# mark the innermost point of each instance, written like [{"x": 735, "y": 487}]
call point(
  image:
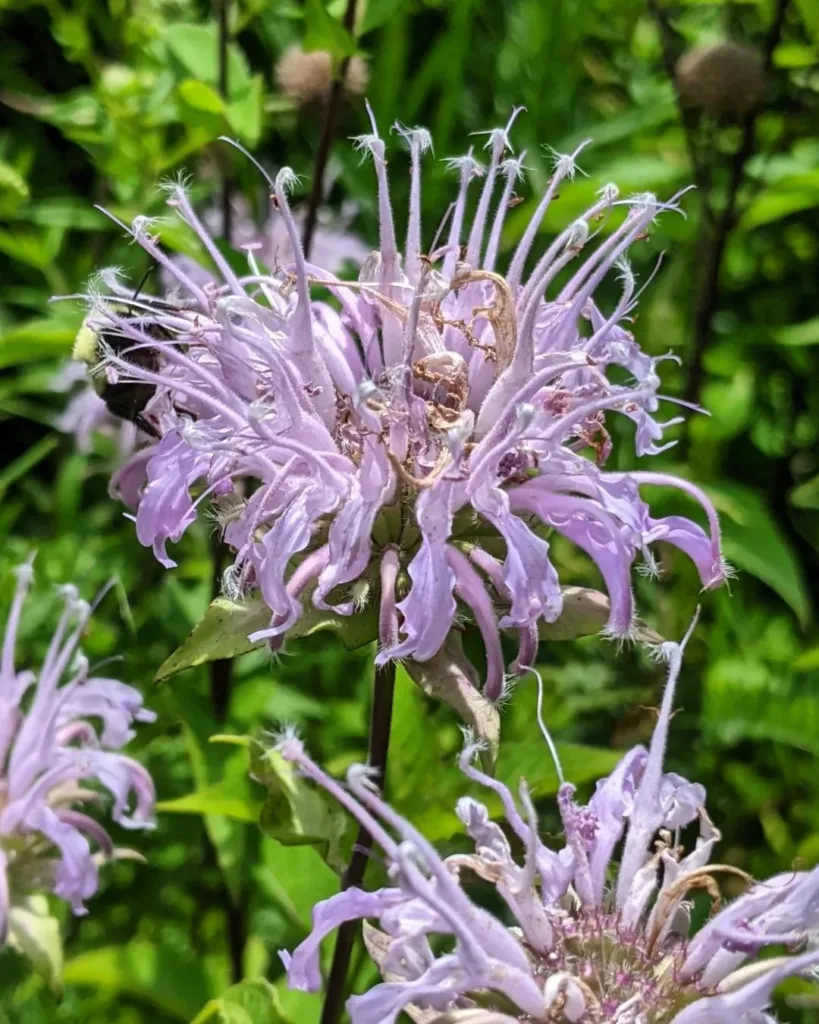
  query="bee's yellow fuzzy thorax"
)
[{"x": 85, "y": 345}]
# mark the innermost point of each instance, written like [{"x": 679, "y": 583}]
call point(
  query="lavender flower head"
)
[
  {"x": 389, "y": 449},
  {"x": 49, "y": 752},
  {"x": 592, "y": 940}
]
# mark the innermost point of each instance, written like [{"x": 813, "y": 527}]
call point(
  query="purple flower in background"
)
[
  {"x": 591, "y": 940},
  {"x": 416, "y": 445},
  {"x": 50, "y": 751}
]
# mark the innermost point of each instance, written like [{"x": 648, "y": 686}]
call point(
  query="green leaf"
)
[
  {"x": 13, "y": 189},
  {"x": 41, "y": 338},
  {"x": 196, "y": 47},
  {"x": 157, "y": 974},
  {"x": 253, "y": 1001},
  {"x": 24, "y": 463},
  {"x": 33, "y": 932},
  {"x": 245, "y": 113},
  {"x": 378, "y": 13},
  {"x": 529, "y": 759},
  {"x": 225, "y": 626},
  {"x": 215, "y": 799},
  {"x": 296, "y": 813},
  {"x": 799, "y": 335},
  {"x": 323, "y": 32},
  {"x": 753, "y": 540},
  {"x": 806, "y": 494}
]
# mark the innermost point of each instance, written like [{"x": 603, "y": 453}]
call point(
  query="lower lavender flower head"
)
[
  {"x": 584, "y": 938},
  {"x": 49, "y": 754},
  {"x": 415, "y": 443}
]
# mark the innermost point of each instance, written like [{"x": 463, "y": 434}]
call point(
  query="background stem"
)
[
  {"x": 326, "y": 142},
  {"x": 380, "y": 722}
]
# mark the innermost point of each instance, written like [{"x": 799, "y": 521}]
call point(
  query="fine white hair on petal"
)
[
  {"x": 465, "y": 162},
  {"x": 420, "y": 136},
  {"x": 287, "y": 179}
]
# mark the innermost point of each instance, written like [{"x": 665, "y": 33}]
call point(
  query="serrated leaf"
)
[
  {"x": 323, "y": 32},
  {"x": 295, "y": 813},
  {"x": 449, "y": 676},
  {"x": 223, "y": 632},
  {"x": 34, "y": 933},
  {"x": 253, "y": 1001}
]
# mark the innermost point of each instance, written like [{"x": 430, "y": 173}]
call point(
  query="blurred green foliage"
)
[{"x": 100, "y": 101}]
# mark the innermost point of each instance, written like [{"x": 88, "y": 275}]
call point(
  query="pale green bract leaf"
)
[
  {"x": 448, "y": 676},
  {"x": 223, "y": 632},
  {"x": 34, "y": 933},
  {"x": 295, "y": 813},
  {"x": 252, "y": 1001}
]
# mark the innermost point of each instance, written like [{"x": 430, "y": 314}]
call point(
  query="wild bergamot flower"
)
[
  {"x": 584, "y": 937},
  {"x": 415, "y": 442}
]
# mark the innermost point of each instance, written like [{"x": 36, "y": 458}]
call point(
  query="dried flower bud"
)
[
  {"x": 307, "y": 77},
  {"x": 725, "y": 80}
]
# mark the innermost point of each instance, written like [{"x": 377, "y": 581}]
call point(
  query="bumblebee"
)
[{"x": 125, "y": 400}]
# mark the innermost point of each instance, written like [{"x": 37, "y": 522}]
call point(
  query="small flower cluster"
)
[
  {"x": 50, "y": 751},
  {"x": 591, "y": 941},
  {"x": 391, "y": 450}
]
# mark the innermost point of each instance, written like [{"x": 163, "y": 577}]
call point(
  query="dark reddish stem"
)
[
  {"x": 326, "y": 142},
  {"x": 379, "y": 744}
]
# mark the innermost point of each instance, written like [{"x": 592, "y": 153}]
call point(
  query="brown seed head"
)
[
  {"x": 307, "y": 77},
  {"x": 725, "y": 80}
]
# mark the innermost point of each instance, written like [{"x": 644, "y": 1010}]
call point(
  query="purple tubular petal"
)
[
  {"x": 303, "y": 575},
  {"x": 388, "y": 616},
  {"x": 589, "y": 526},
  {"x": 350, "y": 535},
  {"x": 304, "y": 968},
  {"x": 528, "y": 640},
  {"x": 383, "y": 1003},
  {"x": 165, "y": 508},
  {"x": 704, "y": 552},
  {"x": 611, "y": 805},
  {"x": 753, "y": 996},
  {"x": 469, "y": 587},
  {"x": 554, "y": 876},
  {"x": 429, "y": 608},
  {"x": 648, "y": 813},
  {"x": 528, "y": 573}
]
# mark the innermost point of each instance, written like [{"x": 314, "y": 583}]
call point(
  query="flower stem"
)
[
  {"x": 227, "y": 182},
  {"x": 380, "y": 722},
  {"x": 325, "y": 143}
]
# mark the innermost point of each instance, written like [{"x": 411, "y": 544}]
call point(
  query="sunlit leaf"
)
[
  {"x": 216, "y": 799},
  {"x": 156, "y": 974},
  {"x": 33, "y": 932},
  {"x": 799, "y": 335},
  {"x": 323, "y": 32},
  {"x": 295, "y": 812},
  {"x": 253, "y": 1001},
  {"x": 224, "y": 629},
  {"x": 753, "y": 541}
]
